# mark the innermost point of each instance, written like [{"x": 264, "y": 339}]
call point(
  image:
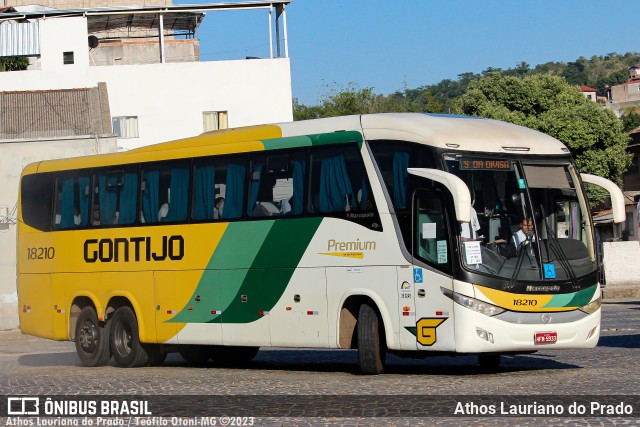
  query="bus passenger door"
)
[{"x": 432, "y": 272}]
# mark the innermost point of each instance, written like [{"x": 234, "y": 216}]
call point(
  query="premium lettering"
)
[
  {"x": 334, "y": 245},
  {"x": 134, "y": 249}
]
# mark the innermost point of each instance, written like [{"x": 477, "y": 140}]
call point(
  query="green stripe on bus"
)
[
  {"x": 271, "y": 271},
  {"x": 583, "y": 297},
  {"x": 313, "y": 140},
  {"x": 226, "y": 270},
  {"x": 574, "y": 299}
]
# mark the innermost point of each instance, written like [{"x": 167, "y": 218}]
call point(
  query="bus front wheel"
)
[
  {"x": 371, "y": 348},
  {"x": 92, "y": 339},
  {"x": 124, "y": 339},
  {"x": 489, "y": 361}
]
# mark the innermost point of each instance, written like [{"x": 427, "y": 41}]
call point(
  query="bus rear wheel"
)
[
  {"x": 92, "y": 339},
  {"x": 371, "y": 348},
  {"x": 124, "y": 339}
]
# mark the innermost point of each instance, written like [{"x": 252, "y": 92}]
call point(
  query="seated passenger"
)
[
  {"x": 95, "y": 219},
  {"x": 525, "y": 235},
  {"x": 285, "y": 207},
  {"x": 218, "y": 207},
  {"x": 265, "y": 209},
  {"x": 164, "y": 210}
]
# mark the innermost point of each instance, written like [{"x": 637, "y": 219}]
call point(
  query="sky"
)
[{"x": 396, "y": 44}]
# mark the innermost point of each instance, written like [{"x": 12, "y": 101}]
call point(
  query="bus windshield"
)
[{"x": 529, "y": 220}]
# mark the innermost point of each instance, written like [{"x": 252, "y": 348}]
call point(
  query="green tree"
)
[
  {"x": 14, "y": 63},
  {"x": 630, "y": 120},
  {"x": 550, "y": 105},
  {"x": 352, "y": 99}
]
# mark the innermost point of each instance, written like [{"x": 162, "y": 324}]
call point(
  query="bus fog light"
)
[
  {"x": 591, "y": 332},
  {"x": 485, "y": 335}
]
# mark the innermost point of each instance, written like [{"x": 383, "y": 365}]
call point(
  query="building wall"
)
[
  {"x": 14, "y": 156},
  {"x": 621, "y": 264},
  {"x": 169, "y": 98},
  {"x": 145, "y": 52}
]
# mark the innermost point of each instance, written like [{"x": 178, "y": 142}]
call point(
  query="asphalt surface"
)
[{"x": 325, "y": 388}]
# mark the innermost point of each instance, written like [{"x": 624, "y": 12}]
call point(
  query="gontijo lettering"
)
[{"x": 122, "y": 249}]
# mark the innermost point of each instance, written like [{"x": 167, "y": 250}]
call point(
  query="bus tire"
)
[
  {"x": 233, "y": 355},
  {"x": 489, "y": 361},
  {"x": 92, "y": 339},
  {"x": 194, "y": 354},
  {"x": 371, "y": 348},
  {"x": 124, "y": 340},
  {"x": 156, "y": 355}
]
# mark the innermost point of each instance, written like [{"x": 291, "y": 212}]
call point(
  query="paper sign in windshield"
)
[
  {"x": 429, "y": 230},
  {"x": 472, "y": 252},
  {"x": 441, "y": 247}
]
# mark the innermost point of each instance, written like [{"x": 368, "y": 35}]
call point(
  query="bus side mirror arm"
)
[
  {"x": 617, "y": 198},
  {"x": 456, "y": 186}
]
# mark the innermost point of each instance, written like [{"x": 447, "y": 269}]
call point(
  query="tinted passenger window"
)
[
  {"x": 115, "y": 196},
  {"x": 393, "y": 159},
  {"x": 277, "y": 184},
  {"x": 165, "y": 192},
  {"x": 72, "y": 198},
  {"x": 339, "y": 181},
  {"x": 218, "y": 188},
  {"x": 36, "y": 197}
]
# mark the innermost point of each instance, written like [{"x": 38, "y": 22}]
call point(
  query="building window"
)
[
  {"x": 214, "y": 120},
  {"x": 67, "y": 58},
  {"x": 125, "y": 126}
]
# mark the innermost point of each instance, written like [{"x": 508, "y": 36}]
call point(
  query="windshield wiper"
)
[{"x": 556, "y": 247}]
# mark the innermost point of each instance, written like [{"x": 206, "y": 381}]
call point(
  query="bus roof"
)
[
  {"x": 455, "y": 133},
  {"x": 446, "y": 131}
]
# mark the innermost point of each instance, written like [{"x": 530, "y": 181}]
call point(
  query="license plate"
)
[{"x": 545, "y": 338}]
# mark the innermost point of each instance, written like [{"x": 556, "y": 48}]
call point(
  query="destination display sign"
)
[{"x": 470, "y": 163}]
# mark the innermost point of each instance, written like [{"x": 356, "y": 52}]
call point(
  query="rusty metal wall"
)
[{"x": 55, "y": 113}]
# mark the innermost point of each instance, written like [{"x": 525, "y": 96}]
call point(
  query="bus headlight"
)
[
  {"x": 474, "y": 304},
  {"x": 592, "y": 307}
]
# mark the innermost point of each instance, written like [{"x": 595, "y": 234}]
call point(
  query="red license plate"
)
[{"x": 545, "y": 338}]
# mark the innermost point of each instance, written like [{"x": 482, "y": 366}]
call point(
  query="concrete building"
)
[
  {"x": 626, "y": 95},
  {"x": 589, "y": 93},
  {"x": 142, "y": 65}
]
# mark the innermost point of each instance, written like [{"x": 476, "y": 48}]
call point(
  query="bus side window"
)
[
  {"x": 393, "y": 159},
  {"x": 36, "y": 196},
  {"x": 204, "y": 206},
  {"x": 115, "y": 197},
  {"x": 337, "y": 179},
  {"x": 277, "y": 184},
  {"x": 165, "y": 192},
  {"x": 71, "y": 200}
]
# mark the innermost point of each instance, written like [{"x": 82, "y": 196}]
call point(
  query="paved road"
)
[{"x": 34, "y": 366}]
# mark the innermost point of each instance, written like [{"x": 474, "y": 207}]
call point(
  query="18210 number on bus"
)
[
  {"x": 523, "y": 302},
  {"x": 40, "y": 253}
]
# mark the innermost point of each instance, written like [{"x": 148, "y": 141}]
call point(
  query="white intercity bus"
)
[{"x": 415, "y": 234}]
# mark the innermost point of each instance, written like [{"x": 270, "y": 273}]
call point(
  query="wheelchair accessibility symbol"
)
[
  {"x": 549, "y": 271},
  {"x": 417, "y": 275}
]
